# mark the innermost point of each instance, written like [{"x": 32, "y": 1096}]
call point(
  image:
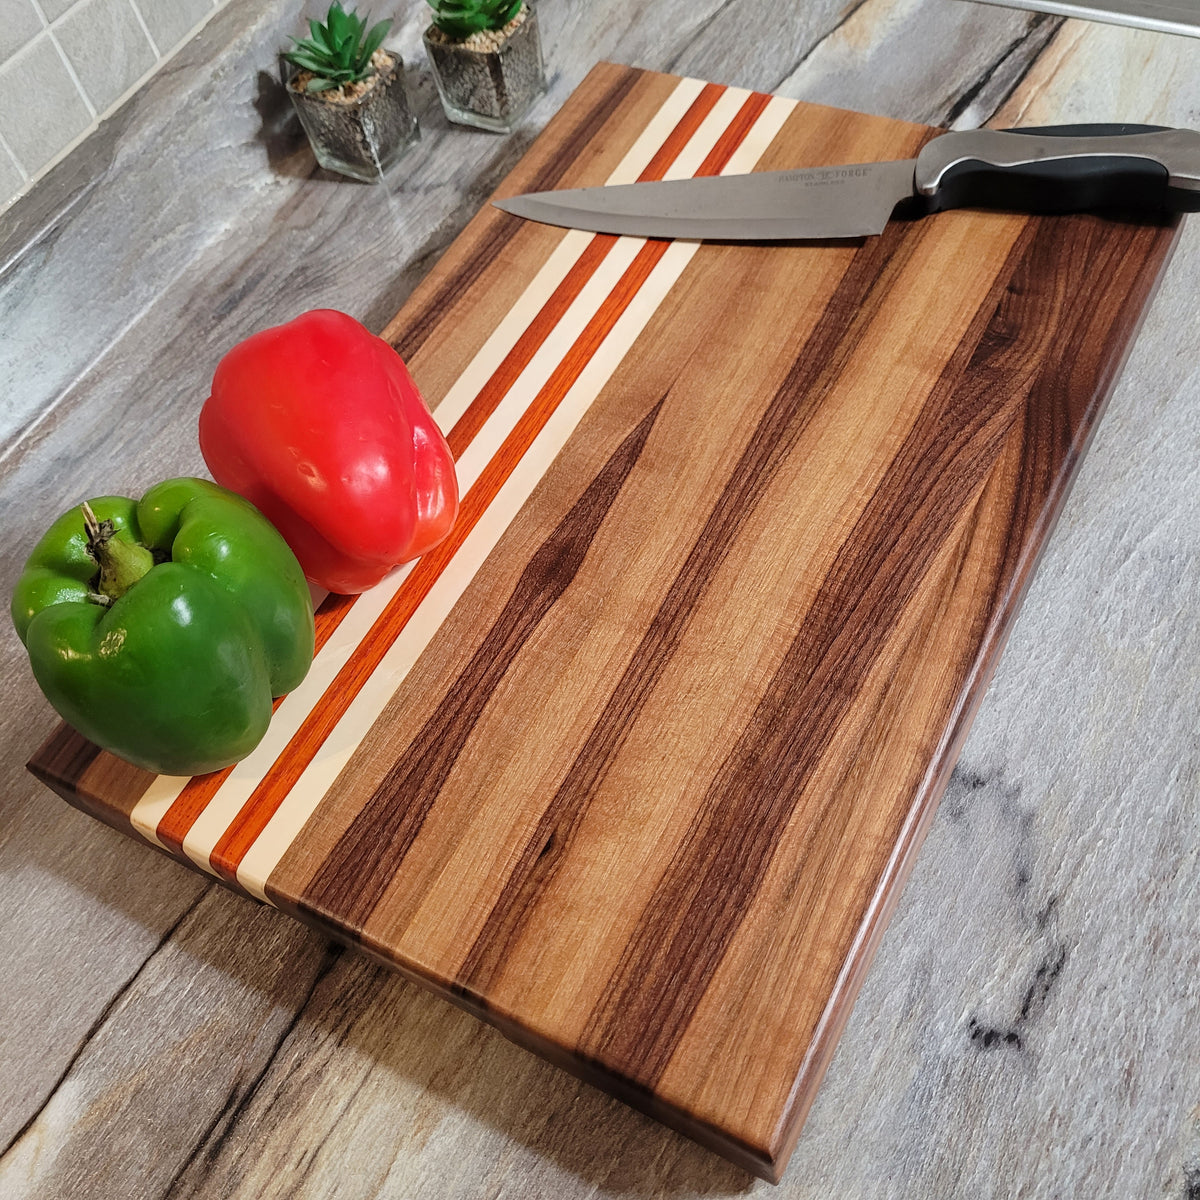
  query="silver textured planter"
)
[
  {"x": 362, "y": 133},
  {"x": 490, "y": 80}
]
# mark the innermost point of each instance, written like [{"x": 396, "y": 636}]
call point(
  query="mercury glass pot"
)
[
  {"x": 490, "y": 79},
  {"x": 361, "y": 129}
]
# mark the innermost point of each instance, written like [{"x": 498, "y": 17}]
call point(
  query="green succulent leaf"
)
[
  {"x": 306, "y": 61},
  {"x": 374, "y": 40},
  {"x": 339, "y": 50},
  {"x": 317, "y": 42},
  {"x": 458, "y": 19},
  {"x": 336, "y": 23}
]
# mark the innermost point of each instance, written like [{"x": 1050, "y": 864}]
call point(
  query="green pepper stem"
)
[{"x": 121, "y": 563}]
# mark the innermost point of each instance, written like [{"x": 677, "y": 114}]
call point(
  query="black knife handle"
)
[{"x": 1065, "y": 168}]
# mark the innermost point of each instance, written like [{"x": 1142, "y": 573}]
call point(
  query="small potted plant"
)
[
  {"x": 349, "y": 94},
  {"x": 487, "y": 60}
]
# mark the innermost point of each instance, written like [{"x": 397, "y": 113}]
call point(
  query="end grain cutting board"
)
[{"x": 635, "y": 764}]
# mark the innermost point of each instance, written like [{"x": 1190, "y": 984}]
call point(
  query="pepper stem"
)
[{"x": 121, "y": 563}]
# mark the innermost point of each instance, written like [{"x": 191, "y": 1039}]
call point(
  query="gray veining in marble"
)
[
  {"x": 1029, "y": 1028},
  {"x": 102, "y": 48}
]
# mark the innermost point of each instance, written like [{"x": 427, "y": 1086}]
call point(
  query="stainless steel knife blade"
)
[
  {"x": 1061, "y": 169},
  {"x": 822, "y": 202}
]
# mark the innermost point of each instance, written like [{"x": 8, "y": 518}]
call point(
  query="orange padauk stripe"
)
[
  {"x": 319, "y": 723},
  {"x": 193, "y": 798},
  {"x": 199, "y": 791},
  {"x": 535, "y": 334},
  {"x": 735, "y": 133}
]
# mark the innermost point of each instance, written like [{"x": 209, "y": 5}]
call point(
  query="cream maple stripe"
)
[{"x": 301, "y": 801}]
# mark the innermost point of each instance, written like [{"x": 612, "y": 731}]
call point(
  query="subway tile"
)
[
  {"x": 107, "y": 47},
  {"x": 170, "y": 21},
  {"x": 19, "y": 25},
  {"x": 11, "y": 180},
  {"x": 41, "y": 109}
]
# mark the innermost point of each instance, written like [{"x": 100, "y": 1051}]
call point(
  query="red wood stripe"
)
[
  {"x": 679, "y": 137},
  {"x": 720, "y": 154},
  {"x": 528, "y": 344},
  {"x": 734, "y": 135},
  {"x": 225, "y": 856},
  {"x": 316, "y": 727},
  {"x": 422, "y": 318},
  {"x": 199, "y": 791},
  {"x": 300, "y": 751},
  {"x": 535, "y": 334}
]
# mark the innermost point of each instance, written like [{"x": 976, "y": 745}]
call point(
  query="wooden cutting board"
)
[{"x": 634, "y": 765}]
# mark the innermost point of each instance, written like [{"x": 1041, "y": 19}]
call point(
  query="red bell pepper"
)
[{"x": 319, "y": 425}]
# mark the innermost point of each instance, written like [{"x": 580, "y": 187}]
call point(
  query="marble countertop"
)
[{"x": 1030, "y": 1025}]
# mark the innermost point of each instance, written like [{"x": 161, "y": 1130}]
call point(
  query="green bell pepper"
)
[{"x": 163, "y": 630}]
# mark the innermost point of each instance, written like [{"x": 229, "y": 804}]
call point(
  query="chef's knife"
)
[{"x": 1054, "y": 169}]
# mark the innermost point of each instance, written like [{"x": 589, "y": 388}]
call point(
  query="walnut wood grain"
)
[{"x": 645, "y": 800}]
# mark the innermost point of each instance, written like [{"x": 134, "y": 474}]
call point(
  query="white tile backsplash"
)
[
  {"x": 19, "y": 25},
  {"x": 10, "y": 174},
  {"x": 41, "y": 109},
  {"x": 170, "y": 21},
  {"x": 65, "y": 64},
  {"x": 106, "y": 44},
  {"x": 53, "y": 9}
]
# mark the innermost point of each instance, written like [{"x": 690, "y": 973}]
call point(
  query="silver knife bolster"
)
[{"x": 1176, "y": 150}]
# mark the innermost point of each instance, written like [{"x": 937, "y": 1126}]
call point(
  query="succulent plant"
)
[
  {"x": 458, "y": 19},
  {"x": 339, "y": 51}
]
